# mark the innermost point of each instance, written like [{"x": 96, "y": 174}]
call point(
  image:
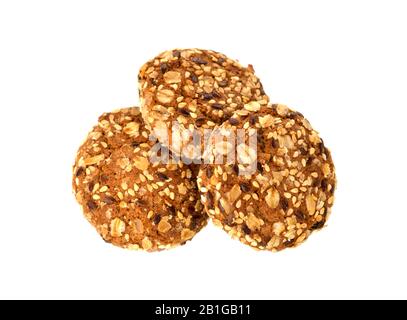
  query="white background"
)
[{"x": 341, "y": 63}]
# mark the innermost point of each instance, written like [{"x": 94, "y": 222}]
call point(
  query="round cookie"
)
[
  {"x": 289, "y": 193},
  {"x": 133, "y": 202},
  {"x": 190, "y": 90}
]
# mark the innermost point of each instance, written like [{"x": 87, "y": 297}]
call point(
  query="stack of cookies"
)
[{"x": 205, "y": 143}]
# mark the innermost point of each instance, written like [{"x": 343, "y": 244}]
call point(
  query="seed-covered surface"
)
[
  {"x": 288, "y": 195},
  {"x": 132, "y": 202},
  {"x": 197, "y": 89}
]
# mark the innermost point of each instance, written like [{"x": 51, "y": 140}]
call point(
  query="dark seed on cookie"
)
[
  {"x": 194, "y": 223},
  {"x": 321, "y": 147},
  {"x": 79, "y": 171},
  {"x": 171, "y": 210},
  {"x": 310, "y": 160},
  {"x": 233, "y": 121},
  {"x": 216, "y": 94},
  {"x": 135, "y": 144},
  {"x": 221, "y": 208},
  {"x": 317, "y": 225},
  {"x": 91, "y": 185},
  {"x": 185, "y": 112},
  {"x": 253, "y": 119},
  {"x": 246, "y": 229},
  {"x": 284, "y": 204},
  {"x": 274, "y": 143},
  {"x": 91, "y": 204},
  {"x": 217, "y": 106},
  {"x": 300, "y": 216},
  {"x": 200, "y": 121},
  {"x": 210, "y": 200},
  {"x": 303, "y": 151},
  {"x": 324, "y": 184},
  {"x": 141, "y": 202},
  {"x": 229, "y": 219},
  {"x": 162, "y": 176},
  {"x": 198, "y": 60},
  {"x": 207, "y": 96},
  {"x": 245, "y": 187},
  {"x": 109, "y": 200},
  {"x": 191, "y": 210},
  {"x": 221, "y": 60},
  {"x": 194, "y": 78},
  {"x": 164, "y": 67}
]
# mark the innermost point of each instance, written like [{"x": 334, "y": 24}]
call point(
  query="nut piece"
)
[
  {"x": 310, "y": 203},
  {"x": 165, "y": 95},
  {"x": 252, "y": 222},
  {"x": 146, "y": 244},
  {"x": 163, "y": 226},
  {"x": 282, "y": 110},
  {"x": 272, "y": 198},
  {"x": 307, "y": 125},
  {"x": 286, "y": 141},
  {"x": 123, "y": 163},
  {"x": 186, "y": 234},
  {"x": 131, "y": 128},
  {"x": 266, "y": 121},
  {"x": 225, "y": 205},
  {"x": 141, "y": 163},
  {"x": 139, "y": 228},
  {"x": 117, "y": 227},
  {"x": 326, "y": 170},
  {"x": 278, "y": 228},
  {"x": 172, "y": 77},
  {"x": 252, "y": 106},
  {"x": 94, "y": 160},
  {"x": 182, "y": 189},
  {"x": 234, "y": 193}
]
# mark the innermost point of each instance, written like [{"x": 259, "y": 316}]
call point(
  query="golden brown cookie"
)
[
  {"x": 289, "y": 193},
  {"x": 186, "y": 91},
  {"x": 134, "y": 202}
]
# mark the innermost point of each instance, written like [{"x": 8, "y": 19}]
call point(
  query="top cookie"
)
[{"x": 196, "y": 89}]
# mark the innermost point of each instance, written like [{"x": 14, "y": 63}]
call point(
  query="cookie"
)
[
  {"x": 184, "y": 92},
  {"x": 133, "y": 201},
  {"x": 277, "y": 192}
]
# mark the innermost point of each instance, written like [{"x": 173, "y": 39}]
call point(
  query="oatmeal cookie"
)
[
  {"x": 132, "y": 201},
  {"x": 290, "y": 191},
  {"x": 184, "y": 92}
]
